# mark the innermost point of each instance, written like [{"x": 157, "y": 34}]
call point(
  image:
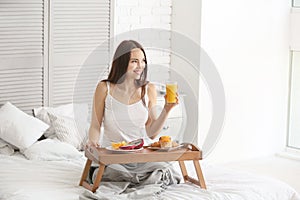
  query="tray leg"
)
[
  {"x": 85, "y": 172},
  {"x": 98, "y": 177},
  {"x": 183, "y": 170},
  {"x": 199, "y": 174}
]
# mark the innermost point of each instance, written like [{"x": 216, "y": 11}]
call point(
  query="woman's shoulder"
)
[
  {"x": 151, "y": 87},
  {"x": 151, "y": 90},
  {"x": 102, "y": 87}
]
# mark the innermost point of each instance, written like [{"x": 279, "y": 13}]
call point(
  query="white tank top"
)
[{"x": 122, "y": 122}]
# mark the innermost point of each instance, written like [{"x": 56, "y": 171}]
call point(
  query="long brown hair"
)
[{"x": 120, "y": 64}]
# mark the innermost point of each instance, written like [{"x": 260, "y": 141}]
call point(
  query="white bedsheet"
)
[{"x": 23, "y": 179}]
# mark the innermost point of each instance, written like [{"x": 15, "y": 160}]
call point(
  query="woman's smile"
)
[{"x": 138, "y": 71}]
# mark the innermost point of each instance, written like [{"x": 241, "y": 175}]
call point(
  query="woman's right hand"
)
[{"x": 91, "y": 143}]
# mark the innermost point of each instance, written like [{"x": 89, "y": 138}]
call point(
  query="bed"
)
[
  {"x": 49, "y": 164},
  {"x": 23, "y": 179}
]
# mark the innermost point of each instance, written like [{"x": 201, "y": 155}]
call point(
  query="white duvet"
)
[{"x": 23, "y": 179}]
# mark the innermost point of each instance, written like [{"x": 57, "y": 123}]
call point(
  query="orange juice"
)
[{"x": 171, "y": 89}]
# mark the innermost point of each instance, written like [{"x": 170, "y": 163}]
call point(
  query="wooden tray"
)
[{"x": 104, "y": 157}]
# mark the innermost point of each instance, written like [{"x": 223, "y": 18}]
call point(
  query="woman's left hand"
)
[{"x": 169, "y": 106}]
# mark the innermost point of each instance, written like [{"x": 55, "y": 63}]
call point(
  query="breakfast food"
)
[
  {"x": 175, "y": 144},
  {"x": 155, "y": 144},
  {"x": 117, "y": 145},
  {"x": 135, "y": 144},
  {"x": 165, "y": 141}
]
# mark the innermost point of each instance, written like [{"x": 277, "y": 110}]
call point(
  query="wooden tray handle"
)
[{"x": 191, "y": 146}]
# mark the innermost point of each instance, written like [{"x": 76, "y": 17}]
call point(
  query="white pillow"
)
[
  {"x": 69, "y": 130},
  {"x": 50, "y": 149},
  {"x": 19, "y": 128},
  {"x": 78, "y": 111}
]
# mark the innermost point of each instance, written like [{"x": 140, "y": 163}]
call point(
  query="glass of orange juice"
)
[{"x": 171, "y": 89}]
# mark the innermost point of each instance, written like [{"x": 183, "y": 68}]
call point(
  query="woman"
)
[{"x": 124, "y": 105}]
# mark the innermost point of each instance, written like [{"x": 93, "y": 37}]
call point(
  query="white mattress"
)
[{"x": 23, "y": 179}]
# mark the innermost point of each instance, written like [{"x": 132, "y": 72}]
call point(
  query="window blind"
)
[
  {"x": 21, "y": 53},
  {"x": 79, "y": 49}
]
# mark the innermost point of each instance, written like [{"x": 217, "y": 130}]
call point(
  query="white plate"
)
[
  {"x": 166, "y": 148},
  {"x": 122, "y": 150}
]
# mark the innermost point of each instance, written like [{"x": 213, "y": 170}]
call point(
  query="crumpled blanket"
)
[
  {"x": 133, "y": 181},
  {"x": 6, "y": 148}
]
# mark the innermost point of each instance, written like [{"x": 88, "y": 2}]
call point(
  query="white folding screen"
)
[
  {"x": 52, "y": 51},
  {"x": 22, "y": 53},
  {"x": 79, "y": 48}
]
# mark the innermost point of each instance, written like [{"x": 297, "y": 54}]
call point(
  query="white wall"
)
[
  {"x": 137, "y": 14},
  {"x": 185, "y": 43},
  {"x": 295, "y": 29},
  {"x": 248, "y": 42},
  {"x": 131, "y": 16}
]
